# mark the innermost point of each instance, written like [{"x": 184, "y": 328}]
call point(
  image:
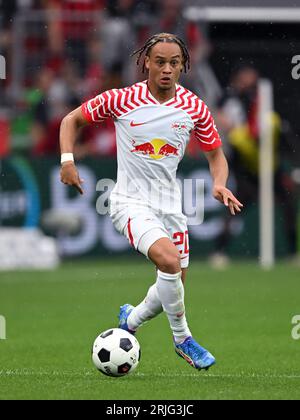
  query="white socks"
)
[
  {"x": 146, "y": 310},
  {"x": 166, "y": 294},
  {"x": 171, "y": 293}
]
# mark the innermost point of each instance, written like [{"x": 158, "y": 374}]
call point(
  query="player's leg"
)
[
  {"x": 148, "y": 309},
  {"x": 133, "y": 317},
  {"x": 188, "y": 349},
  {"x": 142, "y": 228},
  {"x": 166, "y": 256},
  {"x": 148, "y": 235}
]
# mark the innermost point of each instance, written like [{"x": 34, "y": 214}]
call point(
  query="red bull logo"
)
[{"x": 156, "y": 149}]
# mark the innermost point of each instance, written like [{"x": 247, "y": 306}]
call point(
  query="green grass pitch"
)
[{"x": 242, "y": 315}]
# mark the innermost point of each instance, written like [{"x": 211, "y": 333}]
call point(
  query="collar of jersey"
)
[{"x": 157, "y": 102}]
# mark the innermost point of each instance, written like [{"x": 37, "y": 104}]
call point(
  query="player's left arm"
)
[
  {"x": 211, "y": 144},
  {"x": 219, "y": 171}
]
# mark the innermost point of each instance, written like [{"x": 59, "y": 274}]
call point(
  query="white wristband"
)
[{"x": 67, "y": 157}]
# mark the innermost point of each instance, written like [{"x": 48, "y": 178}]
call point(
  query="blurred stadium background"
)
[{"x": 60, "y": 53}]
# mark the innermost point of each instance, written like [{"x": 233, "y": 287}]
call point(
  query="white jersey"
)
[{"x": 151, "y": 141}]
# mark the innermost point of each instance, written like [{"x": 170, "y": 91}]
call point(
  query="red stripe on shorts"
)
[{"x": 130, "y": 233}]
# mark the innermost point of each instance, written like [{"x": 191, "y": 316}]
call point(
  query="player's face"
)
[{"x": 165, "y": 64}]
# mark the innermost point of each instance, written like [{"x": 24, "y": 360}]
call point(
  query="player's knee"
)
[{"x": 169, "y": 263}]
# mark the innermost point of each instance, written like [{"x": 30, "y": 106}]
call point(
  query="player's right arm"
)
[
  {"x": 95, "y": 110},
  {"x": 68, "y": 134}
]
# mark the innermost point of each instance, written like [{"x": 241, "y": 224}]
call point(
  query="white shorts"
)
[{"x": 142, "y": 227}]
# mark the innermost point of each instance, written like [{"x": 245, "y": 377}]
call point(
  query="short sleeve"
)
[
  {"x": 99, "y": 108},
  {"x": 206, "y": 131}
]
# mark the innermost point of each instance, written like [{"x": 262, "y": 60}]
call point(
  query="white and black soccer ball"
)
[{"x": 116, "y": 352}]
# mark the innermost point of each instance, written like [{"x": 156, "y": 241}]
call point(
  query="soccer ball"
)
[{"x": 116, "y": 352}]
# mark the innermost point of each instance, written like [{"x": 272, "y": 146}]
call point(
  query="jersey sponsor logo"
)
[
  {"x": 133, "y": 124},
  {"x": 155, "y": 149}
]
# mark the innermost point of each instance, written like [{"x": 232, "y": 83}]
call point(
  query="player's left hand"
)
[{"x": 225, "y": 196}]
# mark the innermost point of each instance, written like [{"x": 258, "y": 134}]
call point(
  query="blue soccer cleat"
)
[
  {"x": 194, "y": 354},
  {"x": 125, "y": 311}
]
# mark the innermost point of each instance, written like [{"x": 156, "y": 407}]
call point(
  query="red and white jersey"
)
[{"x": 151, "y": 141}]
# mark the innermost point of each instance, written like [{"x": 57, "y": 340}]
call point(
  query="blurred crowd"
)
[{"x": 61, "y": 53}]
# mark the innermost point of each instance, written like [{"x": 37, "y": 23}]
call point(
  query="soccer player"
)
[{"x": 153, "y": 121}]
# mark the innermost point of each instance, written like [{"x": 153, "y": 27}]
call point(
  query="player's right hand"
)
[
  {"x": 69, "y": 176},
  {"x": 225, "y": 196}
]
